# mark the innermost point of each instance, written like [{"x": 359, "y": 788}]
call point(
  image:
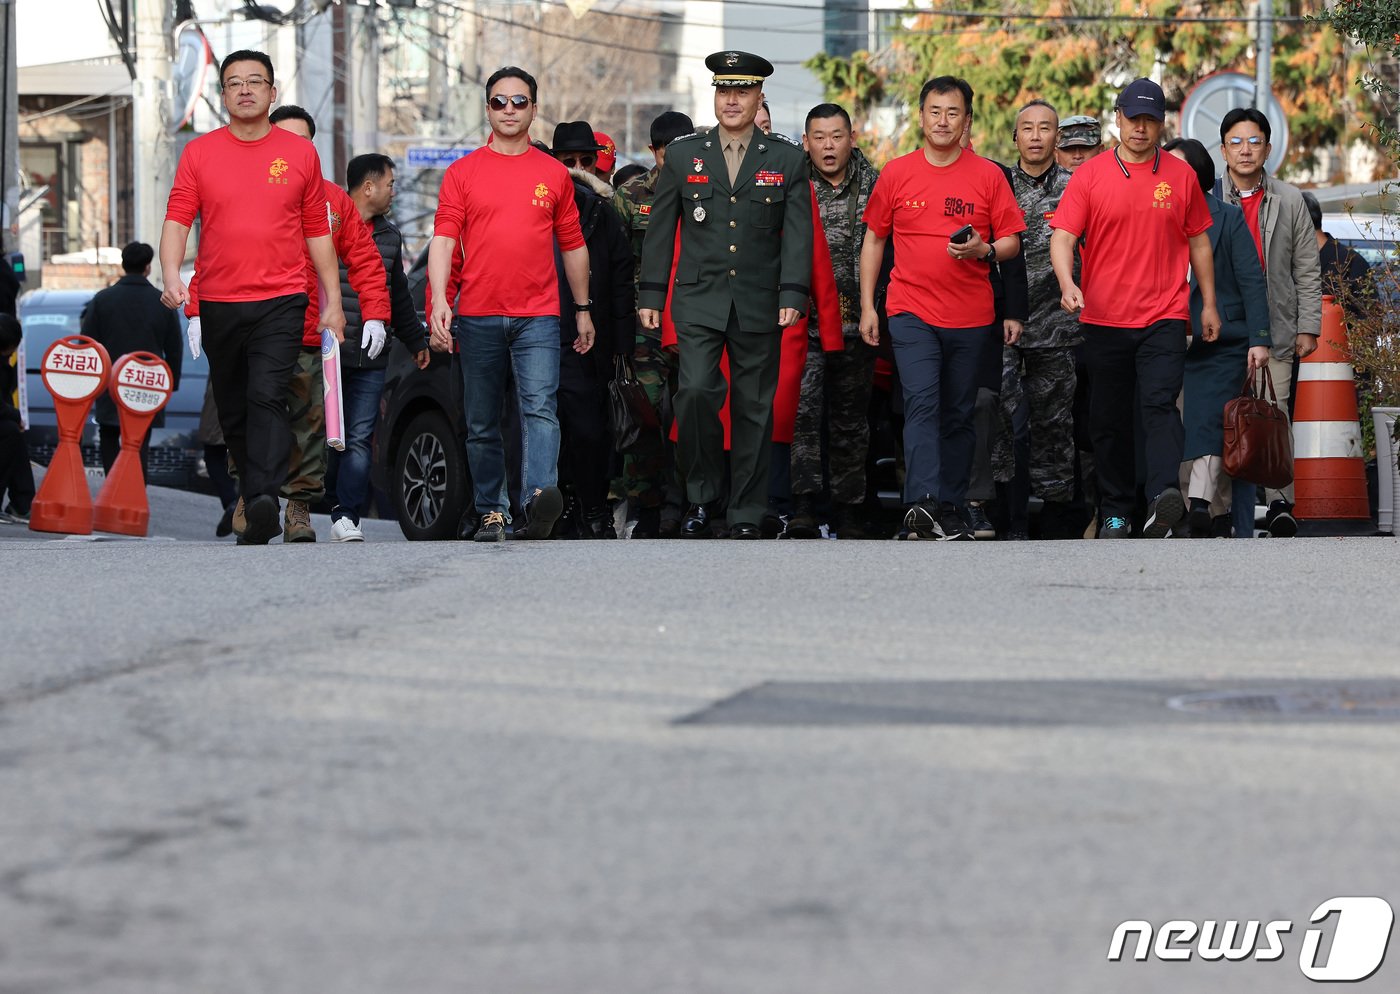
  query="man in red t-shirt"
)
[
  {"x": 507, "y": 203},
  {"x": 260, "y": 198},
  {"x": 940, "y": 303},
  {"x": 1142, "y": 217}
]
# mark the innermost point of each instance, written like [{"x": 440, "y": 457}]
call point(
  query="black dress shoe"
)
[
  {"x": 744, "y": 529},
  {"x": 697, "y": 522}
]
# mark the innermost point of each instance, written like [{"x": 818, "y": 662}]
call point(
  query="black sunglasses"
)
[
  {"x": 517, "y": 101},
  {"x": 579, "y": 161}
]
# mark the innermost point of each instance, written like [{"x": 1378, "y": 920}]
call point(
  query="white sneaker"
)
[{"x": 345, "y": 530}]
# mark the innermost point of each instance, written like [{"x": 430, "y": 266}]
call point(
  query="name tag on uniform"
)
[
  {"x": 1048, "y": 215},
  {"x": 766, "y": 177},
  {"x": 644, "y": 209},
  {"x": 697, "y": 179}
]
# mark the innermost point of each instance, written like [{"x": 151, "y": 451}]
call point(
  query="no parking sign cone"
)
[
  {"x": 75, "y": 371},
  {"x": 141, "y": 386}
]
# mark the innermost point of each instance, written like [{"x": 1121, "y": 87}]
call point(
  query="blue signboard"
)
[{"x": 424, "y": 157}]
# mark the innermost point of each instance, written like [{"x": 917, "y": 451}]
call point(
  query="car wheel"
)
[{"x": 429, "y": 486}]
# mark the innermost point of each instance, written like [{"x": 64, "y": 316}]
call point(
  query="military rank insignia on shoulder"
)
[
  {"x": 677, "y": 141},
  {"x": 782, "y": 137}
]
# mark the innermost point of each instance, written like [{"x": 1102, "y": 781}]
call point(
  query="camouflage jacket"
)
[
  {"x": 842, "y": 208},
  {"x": 633, "y": 201},
  {"x": 1049, "y": 326}
]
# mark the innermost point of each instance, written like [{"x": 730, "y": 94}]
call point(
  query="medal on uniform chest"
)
[
  {"x": 698, "y": 213},
  {"x": 699, "y": 165}
]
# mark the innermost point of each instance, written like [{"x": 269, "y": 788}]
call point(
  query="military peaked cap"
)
[{"x": 738, "y": 69}]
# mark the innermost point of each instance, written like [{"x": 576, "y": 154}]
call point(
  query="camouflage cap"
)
[{"x": 1079, "y": 132}]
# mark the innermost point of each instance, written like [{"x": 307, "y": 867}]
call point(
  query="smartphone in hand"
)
[{"x": 962, "y": 235}]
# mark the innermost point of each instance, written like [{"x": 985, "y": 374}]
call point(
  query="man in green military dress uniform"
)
[{"x": 744, "y": 208}]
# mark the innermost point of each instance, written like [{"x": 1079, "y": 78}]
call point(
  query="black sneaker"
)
[
  {"x": 1163, "y": 513},
  {"x": 803, "y": 522},
  {"x": 1115, "y": 527},
  {"x": 981, "y": 524},
  {"x": 1198, "y": 520},
  {"x": 1280, "y": 520},
  {"x": 922, "y": 522},
  {"x": 648, "y": 523},
  {"x": 492, "y": 528},
  {"x": 542, "y": 511},
  {"x": 262, "y": 513},
  {"x": 954, "y": 526}
]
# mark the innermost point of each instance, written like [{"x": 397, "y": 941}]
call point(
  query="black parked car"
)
[{"x": 176, "y": 452}]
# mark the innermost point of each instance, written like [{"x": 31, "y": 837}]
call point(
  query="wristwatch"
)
[
  {"x": 587, "y": 305},
  {"x": 991, "y": 255}
]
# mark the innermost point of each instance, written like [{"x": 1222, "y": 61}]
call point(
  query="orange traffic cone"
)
[
  {"x": 141, "y": 386},
  {"x": 1329, "y": 468},
  {"x": 75, "y": 371}
]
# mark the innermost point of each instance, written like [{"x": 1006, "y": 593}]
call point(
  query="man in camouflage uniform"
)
[
  {"x": 648, "y": 472},
  {"x": 1039, "y": 370},
  {"x": 835, "y": 386}
]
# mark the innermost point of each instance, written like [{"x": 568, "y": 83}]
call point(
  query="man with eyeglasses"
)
[
  {"x": 1278, "y": 219},
  {"x": 1143, "y": 218},
  {"x": 507, "y": 203},
  {"x": 258, "y": 192}
]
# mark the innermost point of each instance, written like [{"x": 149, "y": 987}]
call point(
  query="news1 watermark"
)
[{"x": 1360, "y": 932}]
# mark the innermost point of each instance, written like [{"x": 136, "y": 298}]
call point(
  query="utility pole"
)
[
  {"x": 1264, "y": 55},
  {"x": 363, "y": 112},
  {"x": 153, "y": 150},
  {"x": 9, "y": 133}
]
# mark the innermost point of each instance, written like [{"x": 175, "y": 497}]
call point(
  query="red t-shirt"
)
[
  {"x": 1136, "y": 219},
  {"x": 923, "y": 204},
  {"x": 1250, "y": 204},
  {"x": 508, "y": 210},
  {"x": 354, "y": 244},
  {"x": 257, "y": 202}
]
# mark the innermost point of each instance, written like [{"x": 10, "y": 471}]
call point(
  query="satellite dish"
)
[
  {"x": 1214, "y": 97},
  {"x": 193, "y": 57}
]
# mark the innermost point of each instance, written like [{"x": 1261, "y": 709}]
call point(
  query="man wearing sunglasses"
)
[
  {"x": 585, "y": 454},
  {"x": 740, "y": 202},
  {"x": 1278, "y": 219},
  {"x": 258, "y": 192},
  {"x": 508, "y": 203}
]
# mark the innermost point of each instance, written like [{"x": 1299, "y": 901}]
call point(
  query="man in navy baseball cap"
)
[{"x": 1142, "y": 96}]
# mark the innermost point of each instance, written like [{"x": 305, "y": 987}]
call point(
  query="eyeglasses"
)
[
  {"x": 252, "y": 83},
  {"x": 518, "y": 101},
  {"x": 1251, "y": 140},
  {"x": 579, "y": 161}
]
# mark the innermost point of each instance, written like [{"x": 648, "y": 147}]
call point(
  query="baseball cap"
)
[
  {"x": 1079, "y": 131},
  {"x": 607, "y": 152},
  {"x": 1142, "y": 96}
]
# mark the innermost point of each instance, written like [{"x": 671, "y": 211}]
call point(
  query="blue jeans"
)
[
  {"x": 938, "y": 371},
  {"x": 347, "y": 473},
  {"x": 531, "y": 348}
]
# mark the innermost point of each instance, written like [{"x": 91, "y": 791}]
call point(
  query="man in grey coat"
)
[{"x": 1278, "y": 219}]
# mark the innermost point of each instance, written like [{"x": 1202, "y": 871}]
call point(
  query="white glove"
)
[
  {"x": 193, "y": 334},
  {"x": 373, "y": 340}
]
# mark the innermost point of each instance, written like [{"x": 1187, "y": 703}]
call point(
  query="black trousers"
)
[
  {"x": 253, "y": 348},
  {"x": 585, "y": 450},
  {"x": 16, "y": 474},
  {"x": 753, "y": 380},
  {"x": 1149, "y": 363},
  {"x": 109, "y": 443}
]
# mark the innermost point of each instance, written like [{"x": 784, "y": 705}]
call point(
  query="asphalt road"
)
[{"x": 683, "y": 767}]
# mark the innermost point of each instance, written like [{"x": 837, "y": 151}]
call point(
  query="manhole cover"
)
[{"x": 1320, "y": 702}]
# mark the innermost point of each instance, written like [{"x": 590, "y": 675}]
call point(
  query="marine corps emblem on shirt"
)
[
  {"x": 1162, "y": 196},
  {"x": 277, "y": 172},
  {"x": 333, "y": 216},
  {"x": 541, "y": 198}
]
